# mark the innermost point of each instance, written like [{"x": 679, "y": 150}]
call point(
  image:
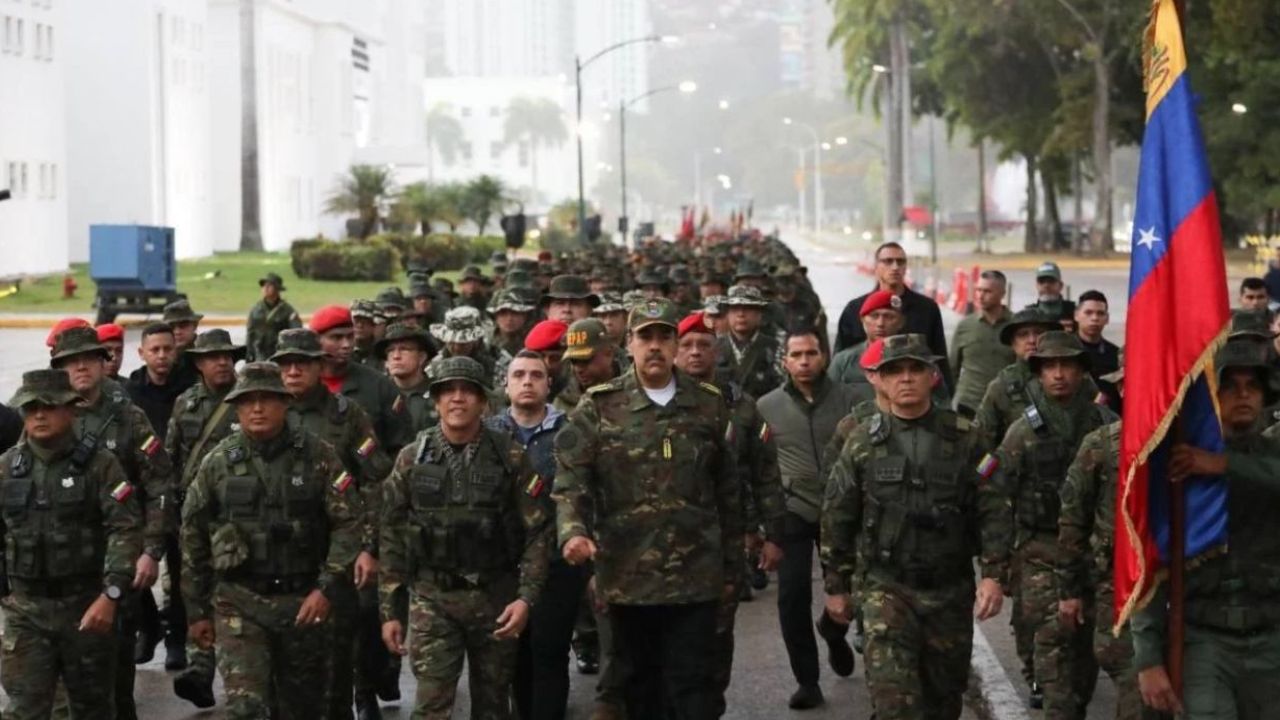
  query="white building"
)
[
  {"x": 806, "y": 59},
  {"x": 503, "y": 38},
  {"x": 33, "y": 164},
  {"x": 336, "y": 83},
  {"x": 138, "y": 127},
  {"x": 479, "y": 104}
]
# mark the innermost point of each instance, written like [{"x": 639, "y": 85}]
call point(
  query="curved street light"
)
[{"x": 686, "y": 87}]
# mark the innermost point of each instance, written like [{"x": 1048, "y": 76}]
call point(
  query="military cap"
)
[
  {"x": 713, "y": 278},
  {"x": 518, "y": 279},
  {"x": 1056, "y": 344},
  {"x": 610, "y": 302},
  {"x": 272, "y": 278},
  {"x": 444, "y": 369},
  {"x": 1048, "y": 269},
  {"x": 108, "y": 332},
  {"x": 400, "y": 332},
  {"x": 421, "y": 289},
  {"x": 570, "y": 287},
  {"x": 62, "y": 326},
  {"x": 216, "y": 340},
  {"x": 391, "y": 297},
  {"x": 680, "y": 275},
  {"x": 444, "y": 286},
  {"x": 584, "y": 338},
  {"x": 696, "y": 323},
  {"x": 912, "y": 346},
  {"x": 745, "y": 296},
  {"x": 714, "y": 305},
  {"x": 506, "y": 299},
  {"x": 48, "y": 387},
  {"x": 880, "y": 300},
  {"x": 652, "y": 277},
  {"x": 1027, "y": 317},
  {"x": 1254, "y": 324},
  {"x": 660, "y": 311},
  {"x": 419, "y": 267},
  {"x": 78, "y": 341},
  {"x": 461, "y": 325},
  {"x": 1116, "y": 376},
  {"x": 748, "y": 268},
  {"x": 1249, "y": 355},
  {"x": 528, "y": 265},
  {"x": 471, "y": 272},
  {"x": 330, "y": 317},
  {"x": 179, "y": 311},
  {"x": 257, "y": 377},
  {"x": 366, "y": 309},
  {"x": 297, "y": 342}
]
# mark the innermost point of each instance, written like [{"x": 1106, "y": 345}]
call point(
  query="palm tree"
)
[
  {"x": 481, "y": 199},
  {"x": 423, "y": 204},
  {"x": 538, "y": 122},
  {"x": 362, "y": 191},
  {"x": 444, "y": 135}
]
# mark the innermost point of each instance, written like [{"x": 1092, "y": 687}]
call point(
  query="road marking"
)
[{"x": 1002, "y": 700}]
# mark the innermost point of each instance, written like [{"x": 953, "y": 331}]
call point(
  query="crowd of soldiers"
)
[{"x": 599, "y": 455}]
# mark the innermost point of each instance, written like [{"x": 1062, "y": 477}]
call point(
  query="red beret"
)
[
  {"x": 110, "y": 331},
  {"x": 880, "y": 300},
  {"x": 871, "y": 356},
  {"x": 546, "y": 336},
  {"x": 696, "y": 322},
  {"x": 330, "y": 317},
  {"x": 62, "y": 326}
]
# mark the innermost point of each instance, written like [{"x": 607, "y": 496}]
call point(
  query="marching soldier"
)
[
  {"x": 750, "y": 353},
  {"x": 903, "y": 516},
  {"x": 348, "y": 430},
  {"x": 406, "y": 351},
  {"x": 270, "y": 527},
  {"x": 364, "y": 322},
  {"x": 463, "y": 334},
  {"x": 511, "y": 322},
  {"x": 1031, "y": 468},
  {"x": 186, "y": 324},
  {"x": 72, "y": 531},
  {"x": 464, "y": 535},
  {"x": 269, "y": 317}
]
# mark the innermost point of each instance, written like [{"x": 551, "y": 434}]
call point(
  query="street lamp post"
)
[
  {"x": 817, "y": 172},
  {"x": 578, "y": 66},
  {"x": 688, "y": 86}
]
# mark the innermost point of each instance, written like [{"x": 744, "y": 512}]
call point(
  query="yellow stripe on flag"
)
[{"x": 1164, "y": 56}]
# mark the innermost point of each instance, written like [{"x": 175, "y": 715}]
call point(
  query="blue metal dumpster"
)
[{"x": 134, "y": 267}]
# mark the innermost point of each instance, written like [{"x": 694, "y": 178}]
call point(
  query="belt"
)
[
  {"x": 1231, "y": 619},
  {"x": 55, "y": 588},
  {"x": 263, "y": 585}
]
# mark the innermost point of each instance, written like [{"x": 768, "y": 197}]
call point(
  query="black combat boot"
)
[
  {"x": 194, "y": 689},
  {"x": 806, "y": 697},
  {"x": 367, "y": 706},
  {"x": 839, "y": 654}
]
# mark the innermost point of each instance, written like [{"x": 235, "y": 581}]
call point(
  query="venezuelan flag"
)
[{"x": 1178, "y": 317}]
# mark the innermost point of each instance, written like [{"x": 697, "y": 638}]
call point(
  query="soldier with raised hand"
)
[
  {"x": 269, "y": 317},
  {"x": 750, "y": 353},
  {"x": 904, "y": 514},
  {"x": 647, "y": 476},
  {"x": 1030, "y": 467},
  {"x": 271, "y": 524},
  {"x": 110, "y": 420},
  {"x": 200, "y": 421},
  {"x": 406, "y": 350},
  {"x": 348, "y": 430},
  {"x": 72, "y": 531},
  {"x": 464, "y": 535}
]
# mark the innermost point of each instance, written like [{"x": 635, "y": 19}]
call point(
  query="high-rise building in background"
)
[
  {"x": 807, "y": 62},
  {"x": 33, "y": 164}
]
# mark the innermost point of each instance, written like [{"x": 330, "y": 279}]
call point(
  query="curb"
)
[{"x": 998, "y": 700}]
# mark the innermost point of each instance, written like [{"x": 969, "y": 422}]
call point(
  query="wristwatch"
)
[{"x": 113, "y": 593}]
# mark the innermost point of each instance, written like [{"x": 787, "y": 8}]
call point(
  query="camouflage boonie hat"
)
[
  {"x": 912, "y": 346},
  {"x": 632, "y": 298},
  {"x": 400, "y": 332},
  {"x": 1117, "y": 376},
  {"x": 518, "y": 279},
  {"x": 297, "y": 342},
  {"x": 444, "y": 369},
  {"x": 714, "y": 305},
  {"x": 651, "y": 277},
  {"x": 654, "y": 312},
  {"x": 274, "y": 279},
  {"x": 179, "y": 311},
  {"x": 471, "y": 272},
  {"x": 1058, "y": 344},
  {"x": 421, "y": 289},
  {"x": 570, "y": 287},
  {"x": 1252, "y": 324},
  {"x": 461, "y": 325},
  {"x": 609, "y": 303},
  {"x": 48, "y": 387},
  {"x": 78, "y": 341},
  {"x": 1030, "y": 316},
  {"x": 366, "y": 309},
  {"x": 444, "y": 286},
  {"x": 505, "y": 299},
  {"x": 216, "y": 341},
  {"x": 584, "y": 338},
  {"x": 745, "y": 296},
  {"x": 257, "y": 377}
]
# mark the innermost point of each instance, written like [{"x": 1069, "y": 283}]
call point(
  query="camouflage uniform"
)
[
  {"x": 375, "y": 392},
  {"x": 264, "y": 524},
  {"x": 466, "y": 325},
  {"x": 903, "y": 516},
  {"x": 1031, "y": 467},
  {"x": 72, "y": 530},
  {"x": 755, "y": 365},
  {"x": 464, "y": 535},
  {"x": 267, "y": 321}
]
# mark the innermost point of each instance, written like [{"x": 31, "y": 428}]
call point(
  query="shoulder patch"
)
[
  {"x": 535, "y": 487},
  {"x": 150, "y": 446},
  {"x": 988, "y": 466},
  {"x": 710, "y": 388},
  {"x": 342, "y": 482},
  {"x": 367, "y": 447},
  {"x": 568, "y": 438},
  {"x": 122, "y": 491}
]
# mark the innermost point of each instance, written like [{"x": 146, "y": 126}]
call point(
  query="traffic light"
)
[
  {"x": 513, "y": 227},
  {"x": 593, "y": 228}
]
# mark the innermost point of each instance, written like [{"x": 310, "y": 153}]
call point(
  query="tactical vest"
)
[
  {"x": 1046, "y": 460},
  {"x": 329, "y": 424},
  {"x": 914, "y": 523},
  {"x": 115, "y": 435},
  {"x": 456, "y": 523},
  {"x": 53, "y": 522},
  {"x": 283, "y": 523}
]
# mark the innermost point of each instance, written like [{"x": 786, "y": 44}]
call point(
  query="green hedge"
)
[
  {"x": 443, "y": 251},
  {"x": 374, "y": 259}
]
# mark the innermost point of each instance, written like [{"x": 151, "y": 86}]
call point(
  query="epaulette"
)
[
  {"x": 710, "y": 388},
  {"x": 610, "y": 386}
]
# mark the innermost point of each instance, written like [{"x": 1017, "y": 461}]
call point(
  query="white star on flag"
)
[{"x": 1148, "y": 237}]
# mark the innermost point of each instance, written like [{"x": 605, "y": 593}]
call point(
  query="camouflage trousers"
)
[
  {"x": 1023, "y": 633},
  {"x": 1115, "y": 657},
  {"x": 448, "y": 626},
  {"x": 42, "y": 645},
  {"x": 1064, "y": 662},
  {"x": 917, "y": 650},
  {"x": 266, "y": 660}
]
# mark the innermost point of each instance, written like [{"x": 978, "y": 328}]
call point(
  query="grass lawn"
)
[{"x": 232, "y": 291}]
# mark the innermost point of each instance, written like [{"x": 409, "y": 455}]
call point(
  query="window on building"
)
[
  {"x": 13, "y": 178},
  {"x": 17, "y": 37},
  {"x": 464, "y": 151},
  {"x": 494, "y": 111},
  {"x": 524, "y": 153},
  {"x": 495, "y": 150},
  {"x": 465, "y": 111},
  {"x": 48, "y": 42},
  {"x": 22, "y": 179},
  {"x": 53, "y": 180},
  {"x": 42, "y": 190},
  {"x": 7, "y": 38},
  {"x": 38, "y": 53}
]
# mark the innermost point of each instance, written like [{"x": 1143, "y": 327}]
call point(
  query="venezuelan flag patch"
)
[
  {"x": 367, "y": 447},
  {"x": 122, "y": 491},
  {"x": 150, "y": 446},
  {"x": 766, "y": 432},
  {"x": 535, "y": 486},
  {"x": 988, "y": 466},
  {"x": 342, "y": 482},
  {"x": 398, "y": 405}
]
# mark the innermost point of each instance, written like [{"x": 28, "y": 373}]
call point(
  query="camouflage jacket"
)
[
  {"x": 907, "y": 507},
  {"x": 375, "y": 392},
  {"x": 122, "y": 429},
  {"x": 415, "y": 400},
  {"x": 755, "y": 366},
  {"x": 860, "y": 413},
  {"x": 1003, "y": 402},
  {"x": 1087, "y": 520},
  {"x": 264, "y": 326},
  {"x": 194, "y": 409},
  {"x": 103, "y": 533},
  {"x": 663, "y": 486},
  {"x": 286, "y": 503},
  {"x": 348, "y": 430},
  {"x": 453, "y": 502},
  {"x": 763, "y": 502}
]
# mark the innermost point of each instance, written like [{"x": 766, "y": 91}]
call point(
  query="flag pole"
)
[{"x": 1178, "y": 520}]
